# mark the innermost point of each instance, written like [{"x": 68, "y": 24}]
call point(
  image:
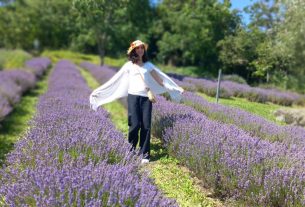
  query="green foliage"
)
[
  {"x": 206, "y": 34},
  {"x": 270, "y": 48},
  {"x": 110, "y": 24},
  {"x": 12, "y": 59},
  {"x": 280, "y": 57},
  {"x": 48, "y": 22},
  {"x": 99, "y": 17},
  {"x": 290, "y": 41},
  {"x": 194, "y": 71},
  {"x": 188, "y": 31},
  {"x": 235, "y": 78},
  {"x": 264, "y": 13},
  {"x": 239, "y": 50}
]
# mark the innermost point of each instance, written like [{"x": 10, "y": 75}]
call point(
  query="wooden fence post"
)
[{"x": 218, "y": 85}]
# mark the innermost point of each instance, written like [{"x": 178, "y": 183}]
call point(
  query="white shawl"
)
[{"x": 117, "y": 86}]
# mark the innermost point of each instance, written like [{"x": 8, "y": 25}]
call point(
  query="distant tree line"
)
[{"x": 205, "y": 33}]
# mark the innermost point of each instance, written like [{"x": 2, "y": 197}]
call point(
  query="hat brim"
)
[{"x": 130, "y": 49}]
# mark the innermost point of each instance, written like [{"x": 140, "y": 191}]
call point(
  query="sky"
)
[
  {"x": 240, "y": 4},
  {"x": 236, "y": 4}
]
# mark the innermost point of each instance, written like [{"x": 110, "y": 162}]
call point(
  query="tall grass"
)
[{"x": 10, "y": 59}]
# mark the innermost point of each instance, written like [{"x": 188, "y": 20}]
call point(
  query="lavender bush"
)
[
  {"x": 208, "y": 87},
  {"x": 13, "y": 83},
  {"x": 233, "y": 162},
  {"x": 236, "y": 163},
  {"x": 73, "y": 156},
  {"x": 100, "y": 73},
  {"x": 230, "y": 88},
  {"x": 38, "y": 65},
  {"x": 255, "y": 125},
  {"x": 5, "y": 107}
]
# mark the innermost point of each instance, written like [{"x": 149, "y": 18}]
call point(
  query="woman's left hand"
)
[{"x": 181, "y": 89}]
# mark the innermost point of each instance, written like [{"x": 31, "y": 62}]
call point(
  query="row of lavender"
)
[
  {"x": 234, "y": 162},
  {"x": 293, "y": 136},
  {"x": 230, "y": 160},
  {"x": 230, "y": 88},
  {"x": 255, "y": 125},
  {"x": 73, "y": 156},
  {"x": 13, "y": 83},
  {"x": 101, "y": 74}
]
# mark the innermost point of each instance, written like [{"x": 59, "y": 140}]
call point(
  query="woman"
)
[{"x": 134, "y": 79}]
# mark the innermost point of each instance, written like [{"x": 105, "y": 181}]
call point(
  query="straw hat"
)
[{"x": 135, "y": 44}]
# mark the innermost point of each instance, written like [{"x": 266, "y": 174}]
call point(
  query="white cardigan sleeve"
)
[
  {"x": 115, "y": 88},
  {"x": 169, "y": 85}
]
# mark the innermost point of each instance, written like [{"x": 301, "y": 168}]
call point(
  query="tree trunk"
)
[
  {"x": 268, "y": 77},
  {"x": 101, "y": 43}
]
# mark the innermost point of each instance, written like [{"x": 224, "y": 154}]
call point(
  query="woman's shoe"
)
[{"x": 144, "y": 161}]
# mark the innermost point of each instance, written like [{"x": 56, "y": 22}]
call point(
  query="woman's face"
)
[{"x": 140, "y": 50}]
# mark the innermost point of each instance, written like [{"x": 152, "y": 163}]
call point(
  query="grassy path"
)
[
  {"x": 260, "y": 109},
  {"x": 16, "y": 124},
  {"x": 173, "y": 179}
]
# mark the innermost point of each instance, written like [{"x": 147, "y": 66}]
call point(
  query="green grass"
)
[
  {"x": 260, "y": 109},
  {"x": 15, "y": 125},
  {"x": 79, "y": 57},
  {"x": 178, "y": 183},
  {"x": 174, "y": 180},
  {"x": 69, "y": 55},
  {"x": 91, "y": 81},
  {"x": 11, "y": 59}
]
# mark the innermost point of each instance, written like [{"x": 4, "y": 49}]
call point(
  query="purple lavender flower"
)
[
  {"x": 232, "y": 161},
  {"x": 73, "y": 156},
  {"x": 38, "y": 65}
]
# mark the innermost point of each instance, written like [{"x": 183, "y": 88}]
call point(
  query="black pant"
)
[{"x": 139, "y": 117}]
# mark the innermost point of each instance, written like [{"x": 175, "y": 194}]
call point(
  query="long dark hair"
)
[{"x": 133, "y": 56}]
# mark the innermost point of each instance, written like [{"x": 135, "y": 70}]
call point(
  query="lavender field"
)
[
  {"x": 14, "y": 83},
  {"x": 240, "y": 155},
  {"x": 69, "y": 157},
  {"x": 229, "y": 89},
  {"x": 243, "y": 148}
]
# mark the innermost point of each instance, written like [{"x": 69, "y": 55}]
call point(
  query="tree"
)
[
  {"x": 238, "y": 51},
  {"x": 101, "y": 17},
  {"x": 188, "y": 31},
  {"x": 264, "y": 14},
  {"x": 281, "y": 55},
  {"x": 290, "y": 38},
  {"x": 24, "y": 21}
]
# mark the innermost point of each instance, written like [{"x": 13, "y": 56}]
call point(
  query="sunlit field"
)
[
  {"x": 210, "y": 150},
  {"x": 234, "y": 139}
]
